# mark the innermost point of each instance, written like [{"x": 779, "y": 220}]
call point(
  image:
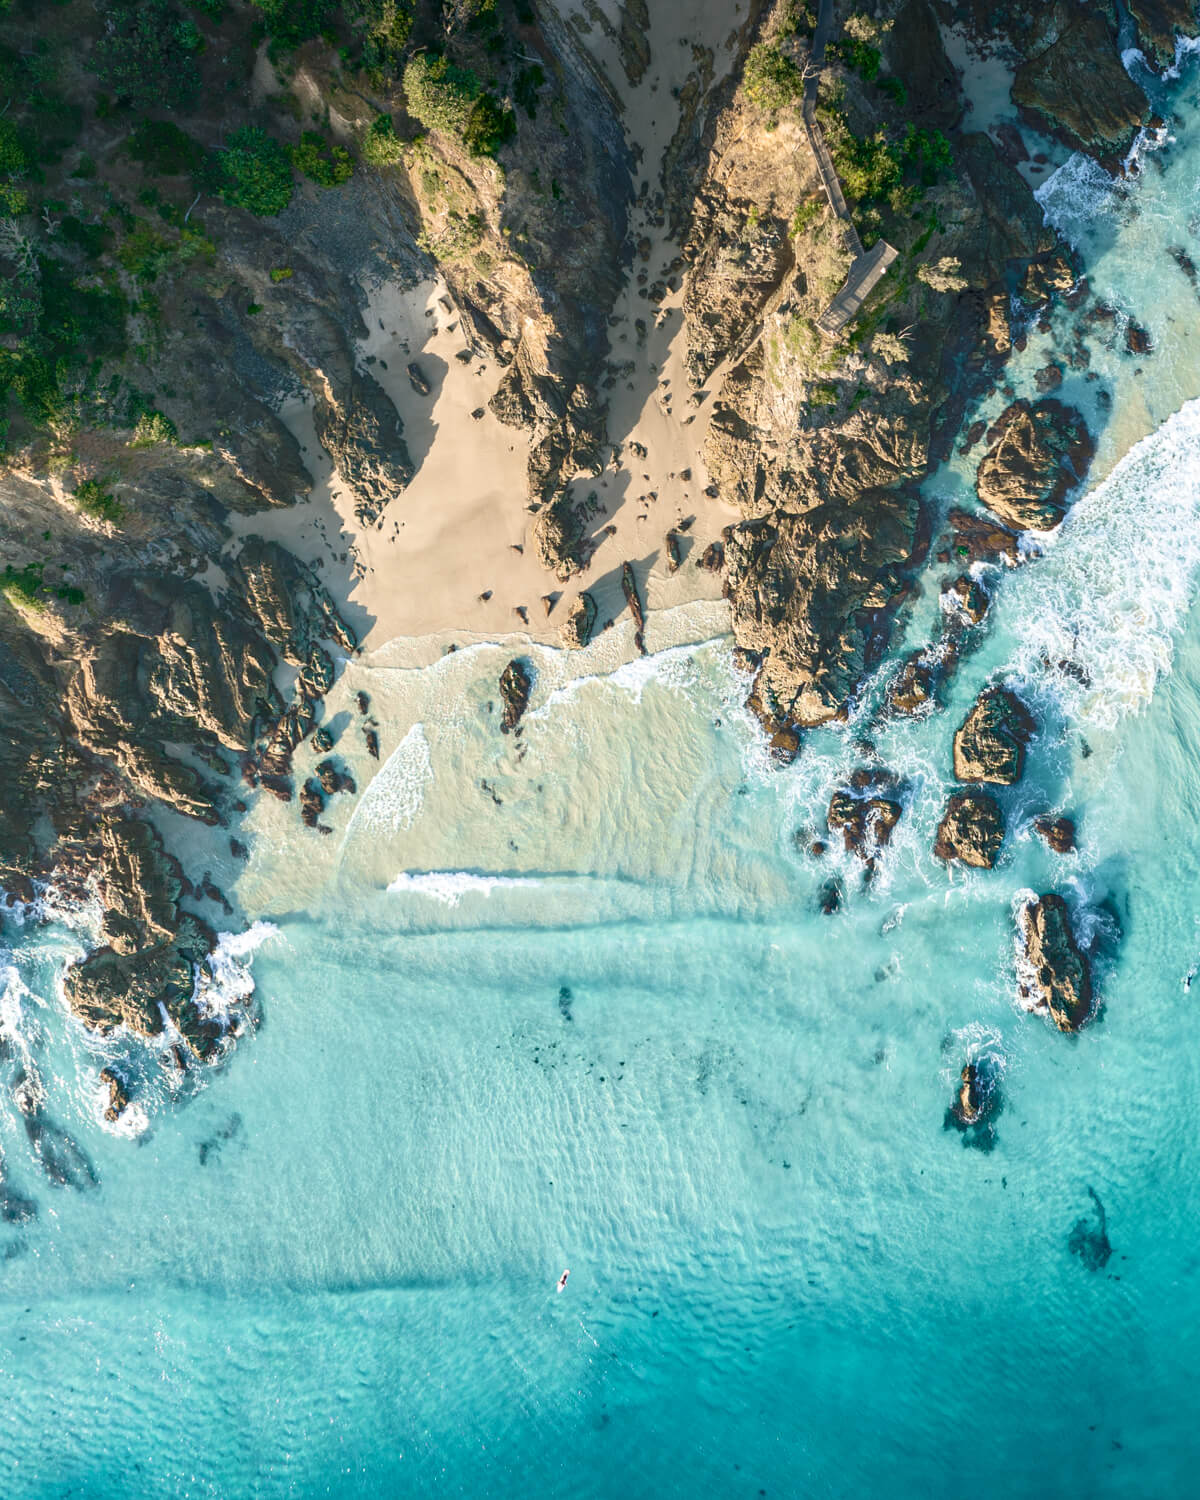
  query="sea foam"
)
[
  {"x": 1112, "y": 596},
  {"x": 450, "y": 886}
]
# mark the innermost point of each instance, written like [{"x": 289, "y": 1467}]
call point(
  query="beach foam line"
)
[
  {"x": 450, "y": 886},
  {"x": 396, "y": 794}
]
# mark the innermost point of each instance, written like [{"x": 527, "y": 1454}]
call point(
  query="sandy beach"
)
[{"x": 451, "y": 557}]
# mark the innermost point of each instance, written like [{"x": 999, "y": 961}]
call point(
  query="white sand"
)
[{"x": 457, "y": 531}]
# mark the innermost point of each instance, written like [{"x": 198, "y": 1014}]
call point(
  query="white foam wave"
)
[
  {"x": 1185, "y": 47},
  {"x": 1112, "y": 598},
  {"x": 1078, "y": 194},
  {"x": 225, "y": 981},
  {"x": 396, "y": 795},
  {"x": 450, "y": 886}
]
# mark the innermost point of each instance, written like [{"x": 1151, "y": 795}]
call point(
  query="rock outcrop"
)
[
  {"x": 971, "y": 830},
  {"x": 1061, "y": 980},
  {"x": 580, "y": 622},
  {"x": 990, "y": 743},
  {"x": 516, "y": 682},
  {"x": 1036, "y": 455},
  {"x": 1071, "y": 81}
]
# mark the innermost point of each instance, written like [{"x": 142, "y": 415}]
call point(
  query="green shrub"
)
[
  {"x": 147, "y": 53},
  {"x": 255, "y": 172},
  {"x": 294, "y": 21},
  {"x": 772, "y": 81},
  {"x": 144, "y": 252},
  {"x": 325, "y": 164},
  {"x": 928, "y": 153},
  {"x": 525, "y": 88},
  {"x": 153, "y": 428},
  {"x": 93, "y": 499},
  {"x": 488, "y": 126},
  {"x": 281, "y": 273},
  {"x": 457, "y": 240},
  {"x": 895, "y": 90},
  {"x": 806, "y": 215},
  {"x": 165, "y": 149},
  {"x": 28, "y": 586},
  {"x": 860, "y": 56},
  {"x": 439, "y": 94},
  {"x": 381, "y": 147}
]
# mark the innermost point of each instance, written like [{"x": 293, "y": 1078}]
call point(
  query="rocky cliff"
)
[{"x": 193, "y": 200}]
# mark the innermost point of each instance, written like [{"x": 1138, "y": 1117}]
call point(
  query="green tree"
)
[
  {"x": 255, "y": 172},
  {"x": 439, "y": 94},
  {"x": 772, "y": 80},
  {"x": 380, "y": 146},
  {"x": 327, "y": 165},
  {"x": 488, "y": 126},
  {"x": 147, "y": 53},
  {"x": 294, "y": 21}
]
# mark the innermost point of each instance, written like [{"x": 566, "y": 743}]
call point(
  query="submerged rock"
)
[
  {"x": 515, "y": 686},
  {"x": 1062, "y": 980},
  {"x": 971, "y": 830},
  {"x": 990, "y": 744},
  {"x": 1036, "y": 454},
  {"x": 1088, "y": 1238}
]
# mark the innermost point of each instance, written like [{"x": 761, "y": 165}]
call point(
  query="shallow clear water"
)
[{"x": 587, "y": 1015}]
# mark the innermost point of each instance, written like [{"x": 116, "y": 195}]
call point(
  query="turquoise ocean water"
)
[{"x": 588, "y": 1016}]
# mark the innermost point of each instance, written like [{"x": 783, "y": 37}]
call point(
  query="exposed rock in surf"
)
[
  {"x": 372, "y": 738},
  {"x": 362, "y": 702},
  {"x": 914, "y": 686},
  {"x": 970, "y": 597},
  {"x": 1059, "y": 833},
  {"x": 1036, "y": 455},
  {"x": 334, "y": 780},
  {"x": 1088, "y": 1238},
  {"x": 674, "y": 552},
  {"x": 865, "y": 823},
  {"x": 971, "y": 830},
  {"x": 580, "y": 622},
  {"x": 976, "y": 538},
  {"x": 515, "y": 686},
  {"x": 1061, "y": 975},
  {"x": 990, "y": 744},
  {"x": 1137, "y": 338},
  {"x": 630, "y": 589},
  {"x": 312, "y": 803},
  {"x": 976, "y": 1103},
  {"x": 416, "y": 378},
  {"x": 118, "y": 1094},
  {"x": 783, "y": 738}
]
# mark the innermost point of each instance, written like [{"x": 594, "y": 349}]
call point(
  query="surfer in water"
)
[{"x": 562, "y": 1281}]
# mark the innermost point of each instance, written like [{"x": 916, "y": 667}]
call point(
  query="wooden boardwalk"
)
[{"x": 867, "y": 267}]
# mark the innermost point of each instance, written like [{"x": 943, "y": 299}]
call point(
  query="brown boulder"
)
[
  {"x": 990, "y": 744},
  {"x": 1059, "y": 833},
  {"x": 971, "y": 830},
  {"x": 1036, "y": 454},
  {"x": 1062, "y": 980}
]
